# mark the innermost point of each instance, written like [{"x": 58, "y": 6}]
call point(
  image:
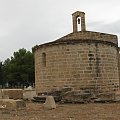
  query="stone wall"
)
[{"x": 85, "y": 64}]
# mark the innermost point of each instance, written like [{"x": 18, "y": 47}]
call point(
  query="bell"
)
[{"x": 78, "y": 20}]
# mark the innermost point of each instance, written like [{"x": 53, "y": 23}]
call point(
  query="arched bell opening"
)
[{"x": 79, "y": 21}]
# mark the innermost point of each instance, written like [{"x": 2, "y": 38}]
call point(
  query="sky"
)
[{"x": 26, "y": 23}]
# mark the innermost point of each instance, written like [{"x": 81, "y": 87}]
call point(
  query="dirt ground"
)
[{"x": 91, "y": 111}]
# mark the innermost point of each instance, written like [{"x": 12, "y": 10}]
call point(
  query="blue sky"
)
[{"x": 26, "y": 23}]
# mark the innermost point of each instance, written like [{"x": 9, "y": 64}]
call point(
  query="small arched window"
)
[{"x": 44, "y": 59}]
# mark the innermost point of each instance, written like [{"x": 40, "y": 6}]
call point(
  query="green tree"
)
[{"x": 19, "y": 70}]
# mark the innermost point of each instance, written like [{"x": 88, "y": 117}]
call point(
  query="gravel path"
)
[{"x": 35, "y": 111}]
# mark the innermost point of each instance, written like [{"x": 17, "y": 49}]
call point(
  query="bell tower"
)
[{"x": 78, "y": 20}]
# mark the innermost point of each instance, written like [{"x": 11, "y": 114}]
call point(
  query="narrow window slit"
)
[{"x": 44, "y": 59}]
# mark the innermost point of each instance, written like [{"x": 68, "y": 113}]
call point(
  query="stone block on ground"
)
[
  {"x": 117, "y": 96},
  {"x": 49, "y": 103},
  {"x": 77, "y": 96},
  {"x": 1, "y": 94},
  {"x": 29, "y": 94},
  {"x": 13, "y": 93},
  {"x": 12, "y": 104}
]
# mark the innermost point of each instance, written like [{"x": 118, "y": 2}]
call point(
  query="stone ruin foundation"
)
[{"x": 11, "y": 99}]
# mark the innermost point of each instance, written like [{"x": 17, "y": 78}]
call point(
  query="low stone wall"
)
[{"x": 12, "y": 93}]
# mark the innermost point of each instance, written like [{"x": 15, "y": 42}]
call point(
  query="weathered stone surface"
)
[
  {"x": 12, "y": 93},
  {"x": 1, "y": 95},
  {"x": 12, "y": 104},
  {"x": 29, "y": 94},
  {"x": 5, "y": 97},
  {"x": 49, "y": 103},
  {"x": 117, "y": 96},
  {"x": 77, "y": 96}
]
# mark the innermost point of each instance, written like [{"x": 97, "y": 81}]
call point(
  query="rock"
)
[
  {"x": 77, "y": 96},
  {"x": 29, "y": 94},
  {"x": 49, "y": 103},
  {"x": 12, "y": 104}
]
